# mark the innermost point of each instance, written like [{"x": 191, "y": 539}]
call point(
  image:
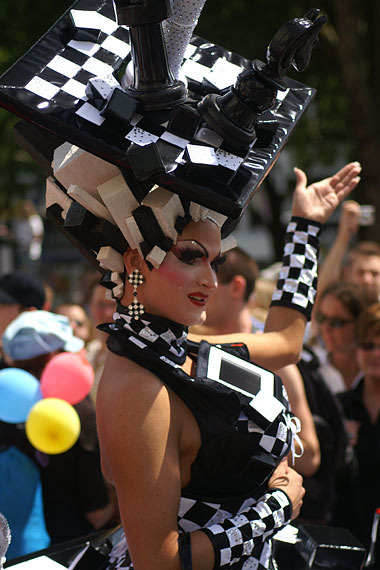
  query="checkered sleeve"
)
[
  {"x": 297, "y": 282},
  {"x": 235, "y": 539}
]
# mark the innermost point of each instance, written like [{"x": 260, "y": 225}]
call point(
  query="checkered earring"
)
[{"x": 135, "y": 309}]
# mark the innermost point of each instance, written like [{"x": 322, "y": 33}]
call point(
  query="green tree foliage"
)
[{"x": 21, "y": 23}]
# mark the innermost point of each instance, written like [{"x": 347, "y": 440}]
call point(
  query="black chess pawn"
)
[{"x": 153, "y": 84}]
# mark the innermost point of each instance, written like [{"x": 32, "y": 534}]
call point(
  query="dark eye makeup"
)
[
  {"x": 218, "y": 262},
  {"x": 189, "y": 251}
]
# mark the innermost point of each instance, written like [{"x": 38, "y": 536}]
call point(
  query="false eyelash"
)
[
  {"x": 218, "y": 262},
  {"x": 188, "y": 253}
]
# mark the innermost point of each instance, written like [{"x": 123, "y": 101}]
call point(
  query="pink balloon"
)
[{"x": 67, "y": 376}]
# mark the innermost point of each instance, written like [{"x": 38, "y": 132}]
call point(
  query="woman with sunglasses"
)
[
  {"x": 338, "y": 310},
  {"x": 362, "y": 408}
]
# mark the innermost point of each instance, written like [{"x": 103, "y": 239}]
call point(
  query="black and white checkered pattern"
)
[
  {"x": 226, "y": 524},
  {"x": 136, "y": 309},
  {"x": 168, "y": 342},
  {"x": 276, "y": 439},
  {"x": 62, "y": 81},
  {"x": 136, "y": 278},
  {"x": 244, "y": 536},
  {"x": 297, "y": 283},
  {"x": 48, "y": 85}
]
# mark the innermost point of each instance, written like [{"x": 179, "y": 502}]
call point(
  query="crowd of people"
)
[{"x": 334, "y": 390}]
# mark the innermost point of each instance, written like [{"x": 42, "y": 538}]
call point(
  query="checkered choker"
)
[
  {"x": 297, "y": 283},
  {"x": 143, "y": 332}
]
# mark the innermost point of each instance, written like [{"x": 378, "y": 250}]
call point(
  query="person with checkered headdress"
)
[{"x": 160, "y": 165}]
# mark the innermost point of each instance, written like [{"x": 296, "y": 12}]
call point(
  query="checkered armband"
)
[
  {"x": 297, "y": 282},
  {"x": 235, "y": 539}
]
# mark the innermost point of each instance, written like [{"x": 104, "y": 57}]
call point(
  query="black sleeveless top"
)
[{"x": 237, "y": 456}]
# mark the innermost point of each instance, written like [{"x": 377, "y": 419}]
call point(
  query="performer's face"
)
[{"x": 180, "y": 288}]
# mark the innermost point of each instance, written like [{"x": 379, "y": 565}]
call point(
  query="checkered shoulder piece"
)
[{"x": 230, "y": 521}]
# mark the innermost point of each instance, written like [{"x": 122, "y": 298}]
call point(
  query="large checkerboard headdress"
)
[{"x": 158, "y": 133}]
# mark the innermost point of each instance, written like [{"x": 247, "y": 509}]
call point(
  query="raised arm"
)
[
  {"x": 281, "y": 342},
  {"x": 331, "y": 268}
]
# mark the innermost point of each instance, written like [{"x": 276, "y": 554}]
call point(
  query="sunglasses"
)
[
  {"x": 333, "y": 322},
  {"x": 369, "y": 346}
]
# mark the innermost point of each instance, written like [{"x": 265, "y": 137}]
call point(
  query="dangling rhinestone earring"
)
[{"x": 135, "y": 309}]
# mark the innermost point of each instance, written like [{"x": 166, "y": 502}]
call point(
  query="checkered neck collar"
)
[{"x": 165, "y": 337}]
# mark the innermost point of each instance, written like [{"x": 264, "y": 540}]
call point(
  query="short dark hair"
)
[
  {"x": 362, "y": 249},
  {"x": 368, "y": 322},
  {"x": 350, "y": 295},
  {"x": 238, "y": 262}
]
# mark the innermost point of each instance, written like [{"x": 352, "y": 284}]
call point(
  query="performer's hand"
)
[
  {"x": 287, "y": 479},
  {"x": 318, "y": 201}
]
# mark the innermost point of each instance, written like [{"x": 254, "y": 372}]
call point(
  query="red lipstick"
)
[{"x": 198, "y": 299}]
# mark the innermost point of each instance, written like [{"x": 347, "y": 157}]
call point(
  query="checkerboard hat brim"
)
[{"x": 60, "y": 85}]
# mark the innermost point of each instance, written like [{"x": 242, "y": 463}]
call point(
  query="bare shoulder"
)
[
  {"x": 132, "y": 406},
  {"x": 127, "y": 388},
  {"x": 121, "y": 374}
]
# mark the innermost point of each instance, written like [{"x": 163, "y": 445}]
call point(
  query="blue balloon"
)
[{"x": 19, "y": 391}]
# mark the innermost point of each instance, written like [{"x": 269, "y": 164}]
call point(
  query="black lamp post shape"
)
[{"x": 153, "y": 83}]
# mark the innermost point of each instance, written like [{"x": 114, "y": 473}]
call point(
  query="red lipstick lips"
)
[{"x": 198, "y": 299}]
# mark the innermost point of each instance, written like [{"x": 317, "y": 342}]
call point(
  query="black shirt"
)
[{"x": 367, "y": 450}]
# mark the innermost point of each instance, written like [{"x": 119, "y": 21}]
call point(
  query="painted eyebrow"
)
[{"x": 194, "y": 241}]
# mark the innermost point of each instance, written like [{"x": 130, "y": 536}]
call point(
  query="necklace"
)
[{"x": 165, "y": 338}]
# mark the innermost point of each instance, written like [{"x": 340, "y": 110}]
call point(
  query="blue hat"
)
[{"x": 34, "y": 333}]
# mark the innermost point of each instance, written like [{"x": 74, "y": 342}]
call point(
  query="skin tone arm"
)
[
  {"x": 348, "y": 227},
  {"x": 310, "y": 460},
  {"x": 281, "y": 342},
  {"x": 151, "y": 459}
]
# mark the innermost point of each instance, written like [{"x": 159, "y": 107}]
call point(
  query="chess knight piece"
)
[
  {"x": 234, "y": 115},
  {"x": 153, "y": 84}
]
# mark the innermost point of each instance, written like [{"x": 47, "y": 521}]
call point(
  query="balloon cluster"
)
[{"x": 52, "y": 424}]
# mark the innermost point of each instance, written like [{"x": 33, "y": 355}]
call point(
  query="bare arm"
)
[
  {"x": 281, "y": 342},
  {"x": 275, "y": 348},
  {"x": 331, "y": 268},
  {"x": 139, "y": 436},
  {"x": 309, "y": 462}
]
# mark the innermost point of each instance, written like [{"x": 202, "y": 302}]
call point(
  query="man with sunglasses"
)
[{"x": 362, "y": 409}]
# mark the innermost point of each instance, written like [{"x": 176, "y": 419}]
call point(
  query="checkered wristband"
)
[
  {"x": 235, "y": 539},
  {"x": 297, "y": 283}
]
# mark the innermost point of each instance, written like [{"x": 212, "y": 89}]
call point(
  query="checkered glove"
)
[
  {"x": 235, "y": 539},
  {"x": 297, "y": 283}
]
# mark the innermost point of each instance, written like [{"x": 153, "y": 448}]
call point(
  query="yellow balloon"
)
[{"x": 52, "y": 426}]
